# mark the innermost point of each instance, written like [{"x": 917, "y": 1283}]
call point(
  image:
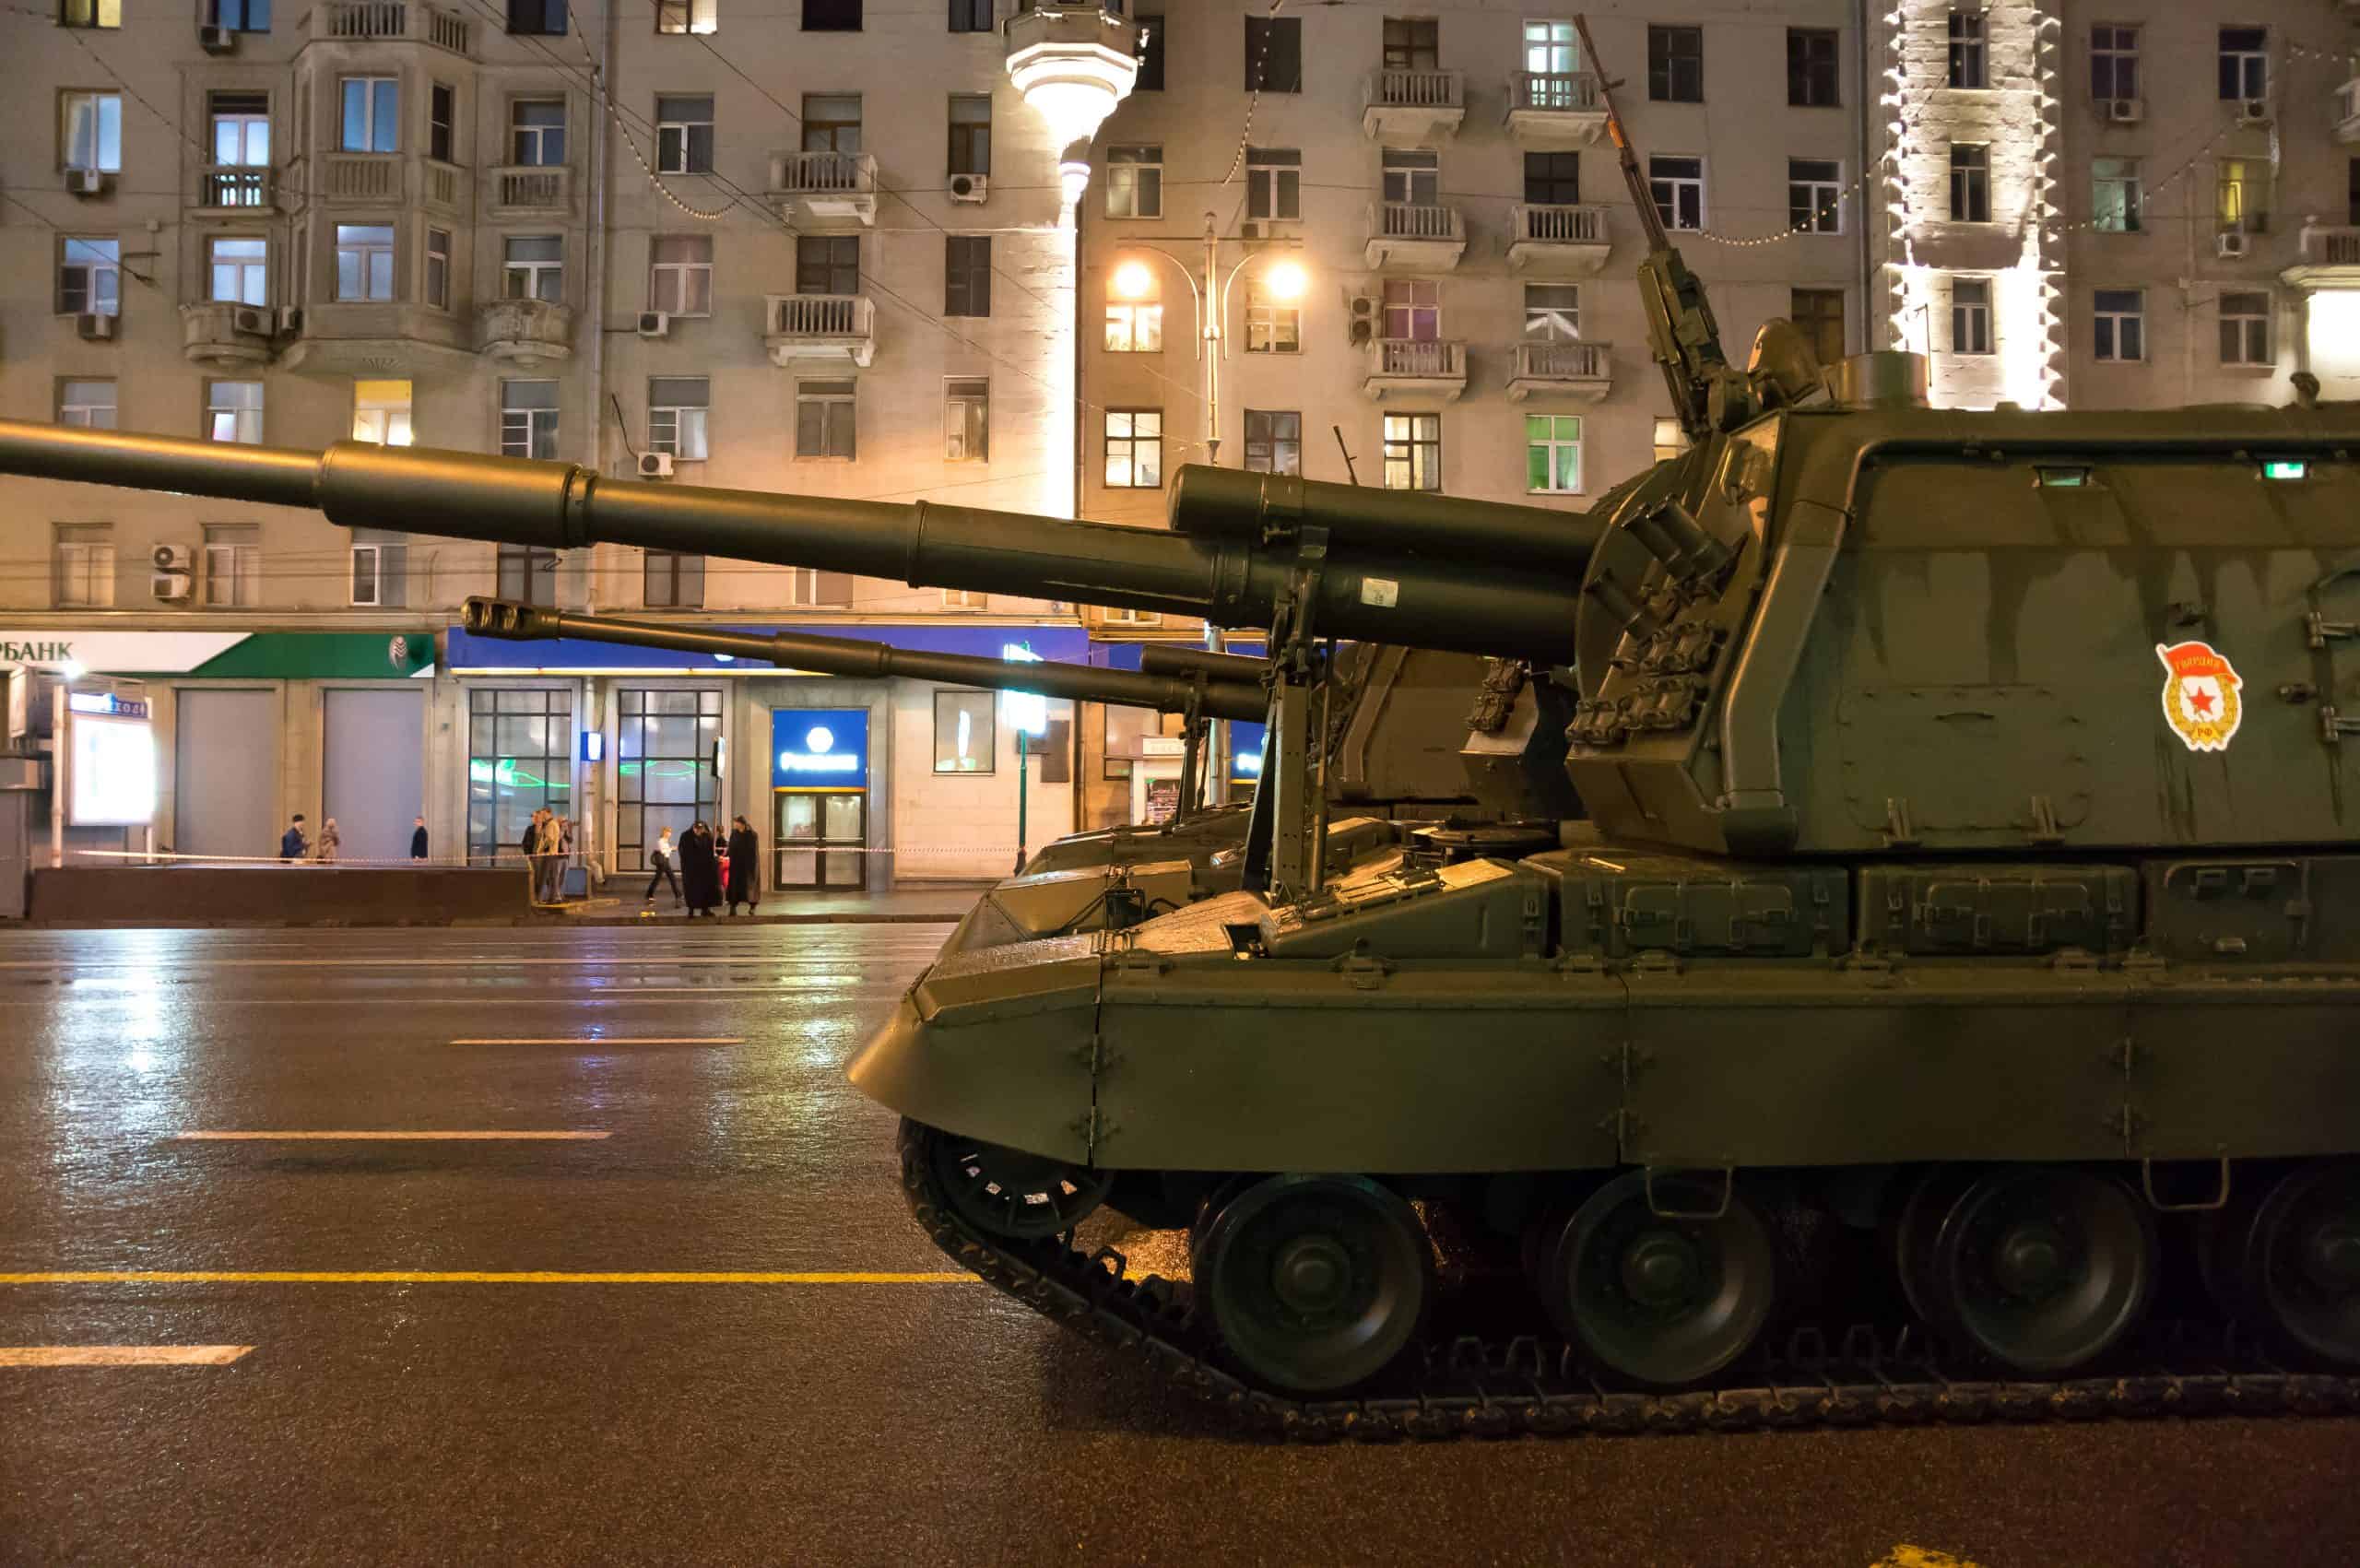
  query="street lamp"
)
[{"x": 1285, "y": 278}]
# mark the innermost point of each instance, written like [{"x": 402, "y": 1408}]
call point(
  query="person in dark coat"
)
[
  {"x": 418, "y": 840},
  {"x": 292, "y": 844},
  {"x": 745, "y": 852},
  {"x": 700, "y": 870}
]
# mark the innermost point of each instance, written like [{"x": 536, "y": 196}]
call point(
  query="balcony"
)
[
  {"x": 1408, "y": 368},
  {"x": 232, "y": 189},
  {"x": 1581, "y": 371},
  {"x": 531, "y": 190},
  {"x": 1412, "y": 107},
  {"x": 806, "y": 328},
  {"x": 2347, "y": 112},
  {"x": 1421, "y": 236},
  {"x": 391, "y": 22},
  {"x": 379, "y": 337},
  {"x": 372, "y": 177},
  {"x": 1555, "y": 108},
  {"x": 1072, "y": 64},
  {"x": 524, "y": 333},
  {"x": 2330, "y": 259},
  {"x": 226, "y": 336},
  {"x": 1558, "y": 241},
  {"x": 825, "y": 186}
]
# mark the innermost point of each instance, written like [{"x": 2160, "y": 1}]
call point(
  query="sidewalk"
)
[{"x": 946, "y": 904}]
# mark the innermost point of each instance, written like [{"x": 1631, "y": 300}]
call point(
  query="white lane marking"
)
[
  {"x": 121, "y": 1355},
  {"x": 616, "y": 1040},
  {"x": 537, "y": 999},
  {"x": 384, "y": 1137}
]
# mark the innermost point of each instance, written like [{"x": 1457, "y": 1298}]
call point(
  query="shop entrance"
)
[{"x": 822, "y": 839}]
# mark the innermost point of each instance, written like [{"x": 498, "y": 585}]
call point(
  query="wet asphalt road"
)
[{"x": 909, "y": 1421}]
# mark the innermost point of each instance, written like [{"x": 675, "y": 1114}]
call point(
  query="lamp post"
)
[
  {"x": 1027, "y": 715},
  {"x": 1211, "y": 301}
]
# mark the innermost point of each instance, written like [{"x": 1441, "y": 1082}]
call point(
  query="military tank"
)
[{"x": 1957, "y": 959}]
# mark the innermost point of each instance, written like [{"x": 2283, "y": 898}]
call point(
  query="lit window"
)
[
  {"x": 1134, "y": 311},
  {"x": 381, "y": 412},
  {"x": 1273, "y": 325},
  {"x": 1670, "y": 440},
  {"x": 1553, "y": 312},
  {"x": 89, "y": 277},
  {"x": 371, "y": 119},
  {"x": 1413, "y": 452},
  {"x": 1551, "y": 49},
  {"x": 1552, "y": 453},
  {"x": 365, "y": 261},
  {"x": 1134, "y": 181},
  {"x": 2242, "y": 206},
  {"x": 89, "y": 14},
  {"x": 966, "y": 420},
  {"x": 2114, "y": 195},
  {"x": 2119, "y": 320},
  {"x": 1135, "y": 449},
  {"x": 964, "y": 738},
  {"x": 687, "y": 16},
  {"x": 239, "y": 271},
  {"x": 241, "y": 125},
  {"x": 676, "y": 408},
  {"x": 233, "y": 411}
]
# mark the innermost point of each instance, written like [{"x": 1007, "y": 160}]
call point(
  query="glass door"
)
[{"x": 822, "y": 838}]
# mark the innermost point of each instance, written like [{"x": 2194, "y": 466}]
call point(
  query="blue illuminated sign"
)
[
  {"x": 1245, "y": 751},
  {"x": 818, "y": 747}
]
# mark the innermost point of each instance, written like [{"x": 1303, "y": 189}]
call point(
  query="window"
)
[
  {"x": 676, "y": 416},
  {"x": 1552, "y": 178},
  {"x": 1413, "y": 452},
  {"x": 239, "y": 271},
  {"x": 438, "y": 268},
  {"x": 546, "y": 17},
  {"x": 965, "y": 739},
  {"x": 1134, "y": 449},
  {"x": 536, "y": 132},
  {"x": 1676, "y": 64},
  {"x": 1150, "y": 77},
  {"x": 827, "y": 264},
  {"x": 1970, "y": 315},
  {"x": 1273, "y": 183},
  {"x": 2242, "y": 210},
  {"x": 2120, "y": 317},
  {"x": 1677, "y": 186},
  {"x": 805, "y": 586},
  {"x": 365, "y": 261},
  {"x": 89, "y": 277},
  {"x": 1273, "y": 325},
  {"x": 971, "y": 134},
  {"x": 823, "y": 419},
  {"x": 967, "y": 274},
  {"x": 1551, "y": 49},
  {"x": 241, "y": 130},
  {"x": 690, "y": 15},
  {"x": 2245, "y": 329},
  {"x": 1553, "y": 312},
  {"x": 1670, "y": 440},
  {"x": 669, "y": 580},
  {"x": 233, "y": 411},
  {"x": 239, "y": 15},
  {"x": 528, "y": 418},
  {"x": 1134, "y": 181},
  {"x": 232, "y": 565},
  {"x": 85, "y": 565},
  {"x": 684, "y": 135},
  {"x": 1412, "y": 44},
  {"x": 91, "y": 14},
  {"x": 2114, "y": 199},
  {"x": 1274, "y": 54},
  {"x": 87, "y": 404},
  {"x": 1818, "y": 314},
  {"x": 971, "y": 16},
  {"x": 520, "y": 758},
  {"x": 1970, "y": 183},
  {"x": 441, "y": 118},
  {"x": 1552, "y": 453},
  {"x": 679, "y": 275},
  {"x": 1411, "y": 175},
  {"x": 2245, "y": 63},
  {"x": 831, "y": 16},
  {"x": 1135, "y": 325},
  {"x": 371, "y": 114},
  {"x": 381, "y": 412},
  {"x": 528, "y": 573},
  {"x": 1814, "y": 195},
  {"x": 1968, "y": 53},
  {"x": 966, "y": 420},
  {"x": 831, "y": 122},
  {"x": 92, "y": 131},
  {"x": 1412, "y": 309},
  {"x": 1811, "y": 68},
  {"x": 1273, "y": 442},
  {"x": 380, "y": 568},
  {"x": 533, "y": 267},
  {"x": 2114, "y": 63}
]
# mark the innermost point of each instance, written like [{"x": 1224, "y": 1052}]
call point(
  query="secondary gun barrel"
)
[
  {"x": 1158, "y": 658},
  {"x": 857, "y": 656},
  {"x": 1233, "y": 504},
  {"x": 1361, "y": 591}
]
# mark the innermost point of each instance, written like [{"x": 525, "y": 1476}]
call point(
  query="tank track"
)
[{"x": 1474, "y": 1388}]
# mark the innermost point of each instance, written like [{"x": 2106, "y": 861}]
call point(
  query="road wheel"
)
[
  {"x": 2287, "y": 1261},
  {"x": 1006, "y": 1192}
]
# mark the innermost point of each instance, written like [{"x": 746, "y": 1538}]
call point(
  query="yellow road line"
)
[
  {"x": 471, "y": 1276},
  {"x": 380, "y": 1137},
  {"x": 121, "y": 1355},
  {"x": 1919, "y": 1557}
]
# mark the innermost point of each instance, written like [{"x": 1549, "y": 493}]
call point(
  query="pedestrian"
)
[
  {"x": 536, "y": 853},
  {"x": 744, "y": 856},
  {"x": 660, "y": 859},
  {"x": 418, "y": 840},
  {"x": 291, "y": 844},
  {"x": 563, "y": 836},
  {"x": 330, "y": 840},
  {"x": 700, "y": 871}
]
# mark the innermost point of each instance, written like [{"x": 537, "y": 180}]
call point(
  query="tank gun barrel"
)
[
  {"x": 1369, "y": 588},
  {"x": 1157, "y": 658},
  {"x": 1220, "y": 699}
]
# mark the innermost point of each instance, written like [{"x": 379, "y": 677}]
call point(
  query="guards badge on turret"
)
[{"x": 2200, "y": 695}]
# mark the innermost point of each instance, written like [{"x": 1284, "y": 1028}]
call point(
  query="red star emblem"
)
[{"x": 2200, "y": 703}]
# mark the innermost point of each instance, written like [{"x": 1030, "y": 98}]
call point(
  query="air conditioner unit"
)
[
  {"x": 217, "y": 41},
  {"x": 2125, "y": 110},
  {"x": 2231, "y": 245},
  {"x": 970, "y": 187},
  {"x": 170, "y": 587},
  {"x": 1363, "y": 323},
  {"x": 173, "y": 557},
  {"x": 98, "y": 328},
  {"x": 290, "y": 318},
  {"x": 250, "y": 318},
  {"x": 655, "y": 464},
  {"x": 2253, "y": 111},
  {"x": 86, "y": 181},
  {"x": 655, "y": 323}
]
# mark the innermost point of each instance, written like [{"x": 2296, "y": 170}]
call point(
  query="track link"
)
[{"x": 1525, "y": 1386}]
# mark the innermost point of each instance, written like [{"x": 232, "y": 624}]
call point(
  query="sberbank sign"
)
[{"x": 35, "y": 652}]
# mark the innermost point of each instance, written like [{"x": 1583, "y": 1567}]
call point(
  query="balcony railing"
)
[
  {"x": 793, "y": 173},
  {"x": 540, "y": 187},
  {"x": 525, "y": 332},
  {"x": 1418, "y": 220},
  {"x": 233, "y": 187},
  {"x": 1580, "y": 369},
  {"x": 362, "y": 176},
  {"x": 1400, "y": 88},
  {"x": 1427, "y": 359},
  {"x": 1551, "y": 224},
  {"x": 1556, "y": 92},
  {"x": 2331, "y": 247},
  {"x": 805, "y": 326},
  {"x": 392, "y": 20}
]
